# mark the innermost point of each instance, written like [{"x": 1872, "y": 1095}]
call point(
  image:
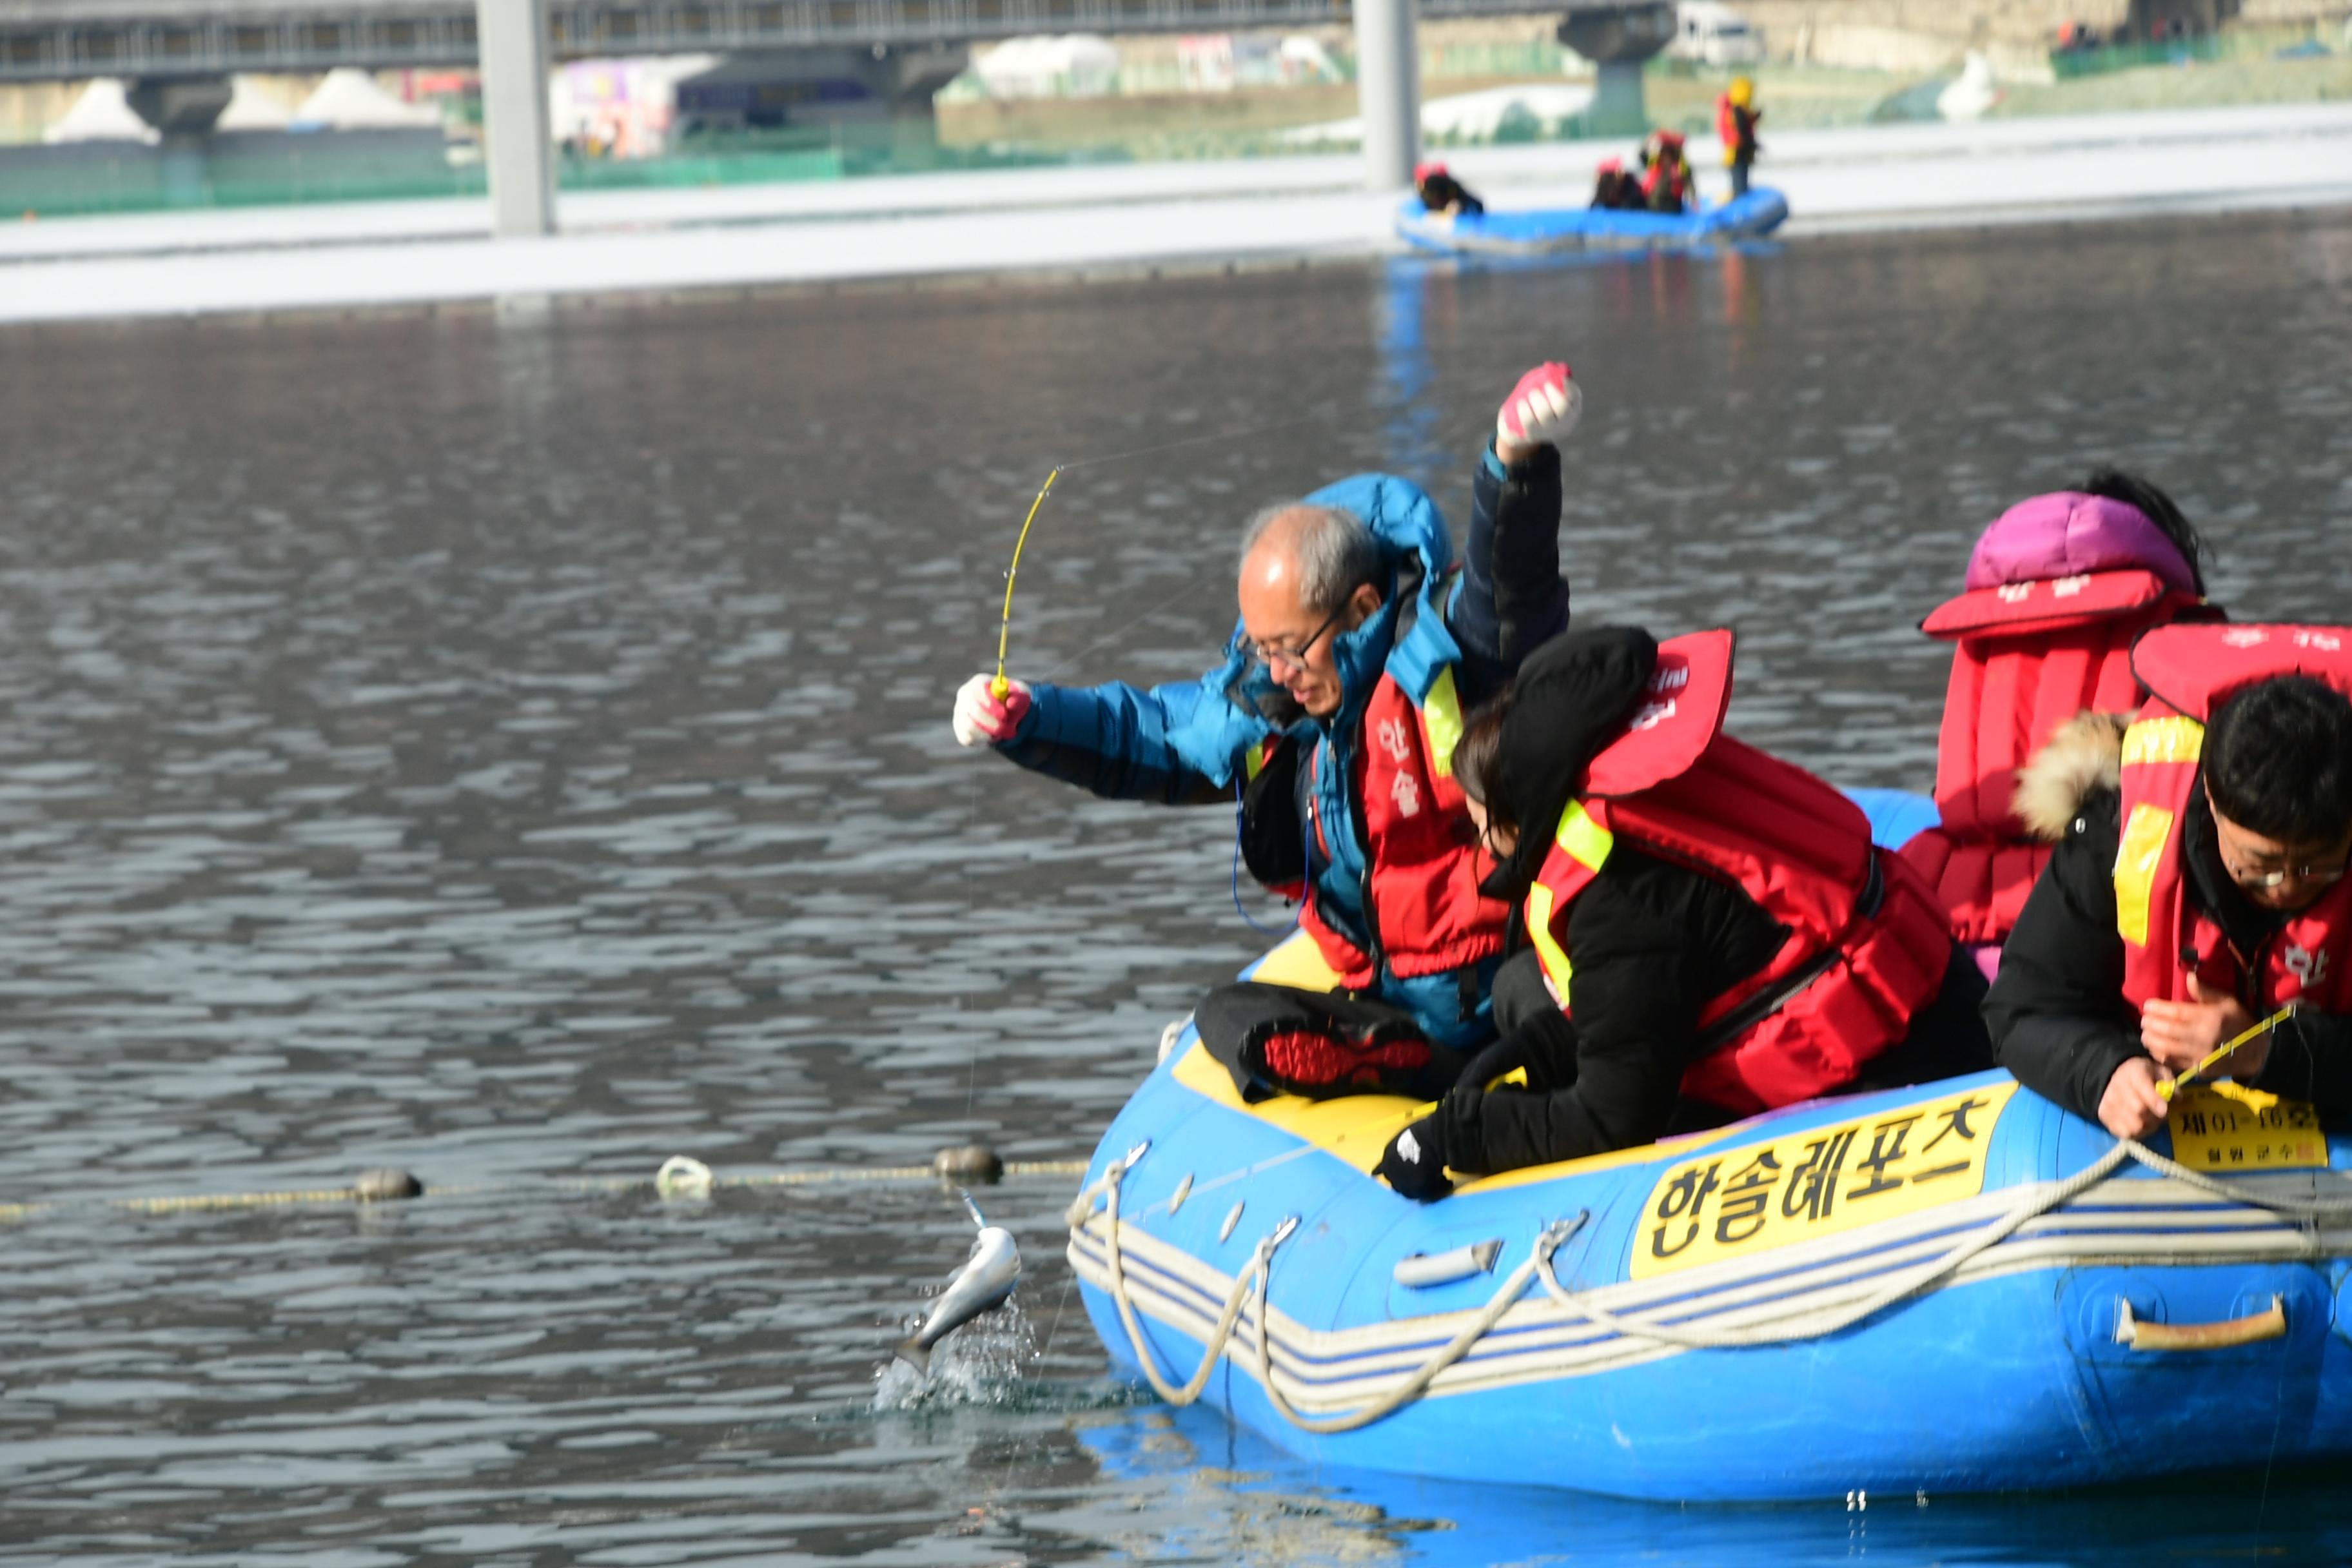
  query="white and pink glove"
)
[
  {"x": 982, "y": 718},
  {"x": 1543, "y": 410}
]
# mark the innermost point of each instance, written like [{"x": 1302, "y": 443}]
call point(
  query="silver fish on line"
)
[{"x": 981, "y": 1285}]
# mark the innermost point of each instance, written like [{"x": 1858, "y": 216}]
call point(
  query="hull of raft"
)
[
  {"x": 2152, "y": 1323},
  {"x": 1534, "y": 233}
]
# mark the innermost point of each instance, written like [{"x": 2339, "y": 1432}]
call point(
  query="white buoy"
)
[
  {"x": 1225, "y": 1231},
  {"x": 682, "y": 1176},
  {"x": 1183, "y": 1190}
]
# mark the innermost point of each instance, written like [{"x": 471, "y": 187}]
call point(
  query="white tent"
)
[
  {"x": 102, "y": 114},
  {"x": 348, "y": 100},
  {"x": 250, "y": 109},
  {"x": 1073, "y": 65}
]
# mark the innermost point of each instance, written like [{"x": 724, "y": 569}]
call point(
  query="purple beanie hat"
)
[{"x": 2067, "y": 532}]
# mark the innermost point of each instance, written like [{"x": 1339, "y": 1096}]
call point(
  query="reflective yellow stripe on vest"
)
[
  {"x": 2178, "y": 739},
  {"x": 1254, "y": 761},
  {"x": 2138, "y": 854},
  {"x": 1588, "y": 843},
  {"x": 2152, "y": 743},
  {"x": 1441, "y": 720}
]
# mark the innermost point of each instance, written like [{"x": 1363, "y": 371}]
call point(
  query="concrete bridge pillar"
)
[
  {"x": 1617, "y": 36},
  {"x": 517, "y": 141},
  {"x": 1388, "y": 90}
]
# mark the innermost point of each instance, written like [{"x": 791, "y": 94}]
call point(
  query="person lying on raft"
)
[
  {"x": 1442, "y": 193},
  {"x": 1614, "y": 190},
  {"x": 2197, "y": 884},
  {"x": 2058, "y": 588},
  {"x": 1331, "y": 722},
  {"x": 1713, "y": 932}
]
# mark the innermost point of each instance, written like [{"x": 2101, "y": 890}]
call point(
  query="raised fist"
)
[
  {"x": 1543, "y": 410},
  {"x": 983, "y": 719}
]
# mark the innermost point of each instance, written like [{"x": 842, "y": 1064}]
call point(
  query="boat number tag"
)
[
  {"x": 1743, "y": 1201},
  {"x": 2229, "y": 1127}
]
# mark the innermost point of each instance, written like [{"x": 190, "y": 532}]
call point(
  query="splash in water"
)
[{"x": 979, "y": 1363}]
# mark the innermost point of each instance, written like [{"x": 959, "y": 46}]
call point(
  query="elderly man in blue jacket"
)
[{"x": 1331, "y": 723}]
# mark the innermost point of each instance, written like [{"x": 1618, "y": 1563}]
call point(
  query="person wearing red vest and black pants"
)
[
  {"x": 2197, "y": 882},
  {"x": 1713, "y": 931}
]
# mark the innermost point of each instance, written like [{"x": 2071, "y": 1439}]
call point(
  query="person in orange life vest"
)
[
  {"x": 1614, "y": 190},
  {"x": 1667, "y": 184},
  {"x": 2197, "y": 882},
  {"x": 1736, "y": 115},
  {"x": 1713, "y": 931},
  {"x": 1440, "y": 191},
  {"x": 1332, "y": 719},
  {"x": 2058, "y": 587}
]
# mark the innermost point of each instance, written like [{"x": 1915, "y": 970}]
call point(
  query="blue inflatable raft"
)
[
  {"x": 1750, "y": 217},
  {"x": 1953, "y": 1288}
]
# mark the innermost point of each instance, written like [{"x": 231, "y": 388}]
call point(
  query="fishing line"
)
[{"x": 1001, "y": 684}]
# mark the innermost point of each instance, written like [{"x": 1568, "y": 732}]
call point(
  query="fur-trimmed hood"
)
[{"x": 2085, "y": 755}]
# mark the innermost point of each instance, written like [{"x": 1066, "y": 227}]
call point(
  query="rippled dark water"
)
[{"x": 515, "y": 748}]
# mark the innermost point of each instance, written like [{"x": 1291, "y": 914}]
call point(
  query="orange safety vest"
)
[
  {"x": 1866, "y": 947},
  {"x": 2028, "y": 658},
  {"x": 2189, "y": 672},
  {"x": 1426, "y": 912}
]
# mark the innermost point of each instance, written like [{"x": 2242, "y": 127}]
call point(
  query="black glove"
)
[{"x": 1414, "y": 1162}]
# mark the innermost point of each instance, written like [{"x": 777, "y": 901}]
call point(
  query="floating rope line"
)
[{"x": 363, "y": 1191}]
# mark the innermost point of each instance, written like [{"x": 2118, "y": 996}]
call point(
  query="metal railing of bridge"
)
[{"x": 44, "y": 46}]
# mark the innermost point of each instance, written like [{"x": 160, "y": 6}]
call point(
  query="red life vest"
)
[
  {"x": 1425, "y": 909},
  {"x": 2189, "y": 672},
  {"x": 2029, "y": 656},
  {"x": 1670, "y": 170},
  {"x": 1733, "y": 125},
  {"x": 1866, "y": 946}
]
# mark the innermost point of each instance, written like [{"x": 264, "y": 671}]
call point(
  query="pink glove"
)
[
  {"x": 982, "y": 718},
  {"x": 1543, "y": 410}
]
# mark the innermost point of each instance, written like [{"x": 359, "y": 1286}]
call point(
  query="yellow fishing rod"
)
[
  {"x": 2226, "y": 1047},
  {"x": 1001, "y": 687}
]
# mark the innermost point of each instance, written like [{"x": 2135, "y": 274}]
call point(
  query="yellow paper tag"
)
[
  {"x": 1739, "y": 1201},
  {"x": 2229, "y": 1127}
]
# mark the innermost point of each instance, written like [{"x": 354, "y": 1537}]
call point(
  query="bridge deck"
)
[{"x": 48, "y": 40}]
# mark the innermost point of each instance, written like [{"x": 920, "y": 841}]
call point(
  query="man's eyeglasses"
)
[
  {"x": 1295, "y": 657},
  {"x": 2267, "y": 882}
]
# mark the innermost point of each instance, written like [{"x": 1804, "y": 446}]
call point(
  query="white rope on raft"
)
[{"x": 1537, "y": 1265}]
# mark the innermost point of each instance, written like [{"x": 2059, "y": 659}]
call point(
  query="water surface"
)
[{"x": 515, "y": 748}]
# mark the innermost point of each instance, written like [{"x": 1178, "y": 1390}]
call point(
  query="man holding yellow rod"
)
[{"x": 2198, "y": 895}]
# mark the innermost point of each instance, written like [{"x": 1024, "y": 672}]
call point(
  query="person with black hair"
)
[
  {"x": 2198, "y": 881},
  {"x": 1713, "y": 932},
  {"x": 1442, "y": 193},
  {"x": 2057, "y": 589}
]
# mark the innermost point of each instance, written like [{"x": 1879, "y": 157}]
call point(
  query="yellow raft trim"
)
[{"x": 1356, "y": 1128}]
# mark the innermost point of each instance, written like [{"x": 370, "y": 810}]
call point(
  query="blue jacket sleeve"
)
[
  {"x": 1180, "y": 744},
  {"x": 1512, "y": 599}
]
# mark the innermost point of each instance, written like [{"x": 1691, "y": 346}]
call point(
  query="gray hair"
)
[{"x": 1335, "y": 553}]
